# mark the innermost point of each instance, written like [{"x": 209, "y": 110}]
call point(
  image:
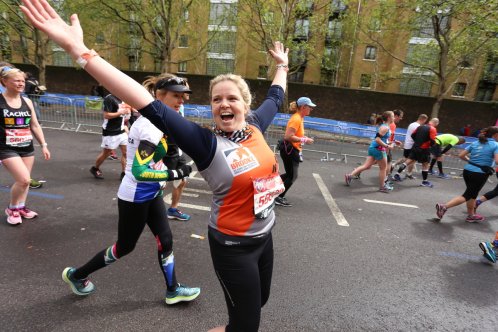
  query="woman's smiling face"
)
[
  {"x": 15, "y": 82},
  {"x": 228, "y": 107}
]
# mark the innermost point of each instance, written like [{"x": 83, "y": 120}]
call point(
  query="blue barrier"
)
[
  {"x": 66, "y": 99},
  {"x": 204, "y": 111}
]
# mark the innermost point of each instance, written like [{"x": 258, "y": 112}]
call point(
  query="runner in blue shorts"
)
[{"x": 377, "y": 152}]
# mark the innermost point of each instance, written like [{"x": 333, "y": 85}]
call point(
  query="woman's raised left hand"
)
[{"x": 280, "y": 53}]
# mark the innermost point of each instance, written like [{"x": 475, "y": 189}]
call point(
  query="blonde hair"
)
[
  {"x": 238, "y": 81},
  {"x": 383, "y": 118},
  {"x": 8, "y": 71},
  {"x": 293, "y": 107}
]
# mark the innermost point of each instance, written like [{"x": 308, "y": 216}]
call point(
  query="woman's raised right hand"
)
[{"x": 43, "y": 17}]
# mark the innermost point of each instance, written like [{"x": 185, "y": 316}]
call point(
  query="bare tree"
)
[
  {"x": 445, "y": 37},
  {"x": 298, "y": 24},
  {"x": 33, "y": 46}
]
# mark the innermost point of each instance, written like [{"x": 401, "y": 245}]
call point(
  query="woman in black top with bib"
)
[{"x": 18, "y": 125}]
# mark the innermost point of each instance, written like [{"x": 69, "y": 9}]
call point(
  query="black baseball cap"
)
[{"x": 176, "y": 84}]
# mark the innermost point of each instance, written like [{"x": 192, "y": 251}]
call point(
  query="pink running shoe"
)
[
  {"x": 13, "y": 216},
  {"x": 27, "y": 213},
  {"x": 475, "y": 218}
]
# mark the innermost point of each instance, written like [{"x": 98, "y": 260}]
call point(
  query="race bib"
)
[
  {"x": 265, "y": 191},
  {"x": 18, "y": 137}
]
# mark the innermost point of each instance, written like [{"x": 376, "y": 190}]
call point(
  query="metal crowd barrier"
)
[{"x": 334, "y": 140}]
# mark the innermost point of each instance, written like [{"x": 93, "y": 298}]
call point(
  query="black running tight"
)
[
  {"x": 291, "y": 166},
  {"x": 474, "y": 182},
  {"x": 244, "y": 269},
  {"x": 491, "y": 194},
  {"x": 132, "y": 219}
]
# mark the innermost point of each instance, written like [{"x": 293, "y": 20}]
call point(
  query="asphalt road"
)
[{"x": 344, "y": 259}]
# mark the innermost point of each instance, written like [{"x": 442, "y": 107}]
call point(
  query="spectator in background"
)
[
  {"x": 371, "y": 120},
  {"x": 34, "y": 90},
  {"x": 466, "y": 130},
  {"x": 99, "y": 91}
]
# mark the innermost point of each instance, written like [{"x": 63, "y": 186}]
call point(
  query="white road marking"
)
[
  {"x": 391, "y": 203},
  {"x": 167, "y": 199},
  {"x": 339, "y": 217},
  {"x": 189, "y": 194}
]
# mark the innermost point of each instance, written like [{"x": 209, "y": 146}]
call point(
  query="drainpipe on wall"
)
[{"x": 354, "y": 44}]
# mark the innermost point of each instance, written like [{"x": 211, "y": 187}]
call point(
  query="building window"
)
[
  {"x": 223, "y": 14},
  {"x": 426, "y": 27},
  {"x": 370, "y": 53},
  {"x": 182, "y": 66},
  {"x": 422, "y": 54},
  {"x": 302, "y": 28},
  {"x": 415, "y": 85},
  {"x": 219, "y": 66},
  {"x": 328, "y": 77},
  {"x": 62, "y": 59},
  {"x": 374, "y": 24},
  {"x": 365, "y": 81},
  {"x": 298, "y": 75},
  {"x": 183, "y": 42},
  {"x": 132, "y": 62},
  {"x": 263, "y": 72},
  {"x": 459, "y": 89},
  {"x": 222, "y": 42},
  {"x": 334, "y": 30},
  {"x": 485, "y": 91},
  {"x": 338, "y": 5},
  {"x": 298, "y": 56}
]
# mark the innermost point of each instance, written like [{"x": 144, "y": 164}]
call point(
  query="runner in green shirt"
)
[{"x": 444, "y": 143}]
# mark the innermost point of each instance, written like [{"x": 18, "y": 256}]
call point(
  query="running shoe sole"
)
[
  {"x": 473, "y": 219},
  {"x": 348, "y": 178},
  {"x": 26, "y": 216},
  {"x": 178, "y": 218},
  {"x": 486, "y": 252},
  {"x": 177, "y": 299},
  {"x": 70, "y": 283},
  {"x": 95, "y": 173},
  {"x": 440, "y": 210}
]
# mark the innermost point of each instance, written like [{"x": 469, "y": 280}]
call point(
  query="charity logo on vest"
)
[
  {"x": 240, "y": 160},
  {"x": 11, "y": 114}
]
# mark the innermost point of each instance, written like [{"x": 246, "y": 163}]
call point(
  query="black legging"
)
[
  {"x": 291, "y": 166},
  {"x": 132, "y": 219},
  {"x": 474, "y": 182},
  {"x": 244, "y": 270},
  {"x": 493, "y": 193}
]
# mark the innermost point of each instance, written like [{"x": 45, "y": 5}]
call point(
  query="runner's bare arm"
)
[{"x": 70, "y": 38}]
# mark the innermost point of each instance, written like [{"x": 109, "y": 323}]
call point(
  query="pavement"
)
[{"x": 346, "y": 258}]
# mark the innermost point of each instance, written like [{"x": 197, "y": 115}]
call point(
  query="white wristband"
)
[
  {"x": 83, "y": 59},
  {"x": 43, "y": 145}
]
